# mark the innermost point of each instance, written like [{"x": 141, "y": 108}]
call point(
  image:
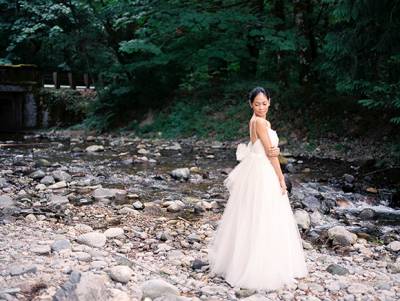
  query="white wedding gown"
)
[{"x": 257, "y": 244}]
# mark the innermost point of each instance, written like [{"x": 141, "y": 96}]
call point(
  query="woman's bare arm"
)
[
  {"x": 261, "y": 127},
  {"x": 273, "y": 151}
]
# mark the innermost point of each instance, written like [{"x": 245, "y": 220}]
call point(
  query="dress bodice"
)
[{"x": 257, "y": 147}]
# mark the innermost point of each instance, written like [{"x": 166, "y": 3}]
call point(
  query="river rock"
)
[
  {"x": 143, "y": 151},
  {"x": 394, "y": 246},
  {"x": 41, "y": 250},
  {"x": 336, "y": 269},
  {"x": 47, "y": 180},
  {"x": 120, "y": 196},
  {"x": 197, "y": 264},
  {"x": 175, "y": 146},
  {"x": 83, "y": 287},
  {"x": 93, "y": 239},
  {"x": 107, "y": 193},
  {"x": 31, "y": 218},
  {"x": 40, "y": 187},
  {"x": 95, "y": 148},
  {"x": 181, "y": 173},
  {"x": 61, "y": 244},
  {"x": 3, "y": 183},
  {"x": 57, "y": 200},
  {"x": 311, "y": 202},
  {"x": 357, "y": 288},
  {"x": 38, "y": 174},
  {"x": 121, "y": 273},
  {"x": 138, "y": 205},
  {"x": 341, "y": 236},
  {"x": 394, "y": 267},
  {"x": 82, "y": 256},
  {"x": 17, "y": 270},
  {"x": 302, "y": 218},
  {"x": 118, "y": 295},
  {"x": 114, "y": 232},
  {"x": 58, "y": 185},
  {"x": 128, "y": 211},
  {"x": 367, "y": 214},
  {"x": 155, "y": 288},
  {"x": 174, "y": 207},
  {"x": 82, "y": 228},
  {"x": 257, "y": 297},
  {"x": 42, "y": 163},
  {"x": 348, "y": 178},
  {"x": 6, "y": 202},
  {"x": 61, "y": 175}
]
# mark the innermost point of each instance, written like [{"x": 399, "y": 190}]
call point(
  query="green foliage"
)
[
  {"x": 66, "y": 106},
  {"x": 186, "y": 118},
  {"x": 361, "y": 53},
  {"x": 189, "y": 58}
]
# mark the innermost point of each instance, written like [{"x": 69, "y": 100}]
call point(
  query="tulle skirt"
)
[{"x": 257, "y": 244}]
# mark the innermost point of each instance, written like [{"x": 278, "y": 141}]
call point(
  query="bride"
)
[{"x": 257, "y": 244}]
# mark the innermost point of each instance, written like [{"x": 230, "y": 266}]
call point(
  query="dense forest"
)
[{"x": 190, "y": 60}]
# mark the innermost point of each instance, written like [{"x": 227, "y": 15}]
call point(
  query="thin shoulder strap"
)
[{"x": 253, "y": 130}]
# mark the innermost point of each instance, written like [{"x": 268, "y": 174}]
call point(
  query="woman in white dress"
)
[{"x": 257, "y": 244}]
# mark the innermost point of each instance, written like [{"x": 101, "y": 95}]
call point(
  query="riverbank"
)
[{"x": 106, "y": 215}]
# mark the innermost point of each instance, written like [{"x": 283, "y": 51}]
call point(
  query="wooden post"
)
[
  {"x": 86, "y": 80},
  {"x": 56, "y": 80},
  {"x": 72, "y": 84}
]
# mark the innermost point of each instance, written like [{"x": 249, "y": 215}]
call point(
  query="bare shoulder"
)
[
  {"x": 260, "y": 120},
  {"x": 268, "y": 123}
]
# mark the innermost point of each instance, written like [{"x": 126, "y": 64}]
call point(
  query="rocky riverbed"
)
[{"x": 122, "y": 218}]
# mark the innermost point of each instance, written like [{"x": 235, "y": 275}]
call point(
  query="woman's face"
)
[{"x": 260, "y": 105}]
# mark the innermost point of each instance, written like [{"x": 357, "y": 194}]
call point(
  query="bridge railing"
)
[{"x": 70, "y": 80}]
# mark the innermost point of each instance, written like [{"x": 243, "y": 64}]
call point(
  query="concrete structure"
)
[{"x": 18, "y": 105}]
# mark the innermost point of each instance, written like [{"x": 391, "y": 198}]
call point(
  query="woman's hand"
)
[
  {"x": 283, "y": 186},
  {"x": 273, "y": 151}
]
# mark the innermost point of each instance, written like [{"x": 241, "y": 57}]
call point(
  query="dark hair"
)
[{"x": 257, "y": 90}]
